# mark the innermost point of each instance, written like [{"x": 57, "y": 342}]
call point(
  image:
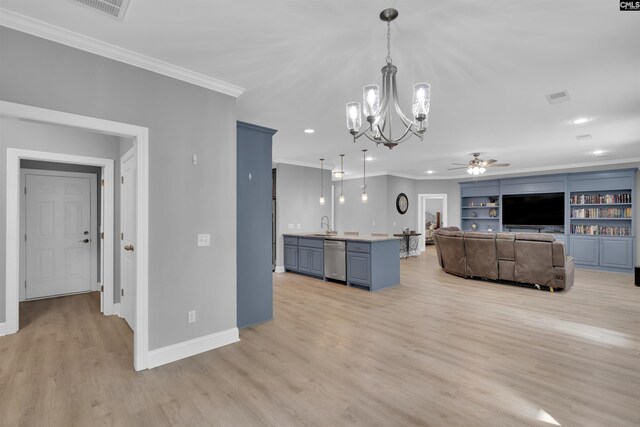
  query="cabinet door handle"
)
[{"x": 129, "y": 248}]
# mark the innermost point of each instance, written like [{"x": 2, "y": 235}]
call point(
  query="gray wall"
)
[
  {"x": 396, "y": 222},
  {"x": 184, "y": 199},
  {"x": 298, "y": 195},
  {"x": 451, "y": 188},
  {"x": 354, "y": 215}
]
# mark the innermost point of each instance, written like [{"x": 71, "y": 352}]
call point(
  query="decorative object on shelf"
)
[
  {"x": 474, "y": 214},
  {"x": 492, "y": 201},
  {"x": 477, "y": 166},
  {"x": 490, "y": 228},
  {"x": 341, "y": 198},
  {"x": 402, "y": 203},
  {"x": 321, "y": 182},
  {"x": 365, "y": 198},
  {"x": 474, "y": 226},
  {"x": 493, "y": 213},
  {"x": 377, "y": 107}
]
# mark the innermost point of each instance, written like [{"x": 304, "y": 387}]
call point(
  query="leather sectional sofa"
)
[{"x": 530, "y": 258}]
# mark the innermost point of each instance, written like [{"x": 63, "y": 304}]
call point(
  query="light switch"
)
[{"x": 204, "y": 240}]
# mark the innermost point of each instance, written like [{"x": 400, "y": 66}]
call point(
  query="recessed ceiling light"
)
[
  {"x": 580, "y": 121},
  {"x": 598, "y": 152},
  {"x": 369, "y": 159},
  {"x": 430, "y": 171},
  {"x": 309, "y": 131}
]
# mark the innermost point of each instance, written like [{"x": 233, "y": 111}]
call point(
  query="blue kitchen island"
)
[{"x": 372, "y": 263}]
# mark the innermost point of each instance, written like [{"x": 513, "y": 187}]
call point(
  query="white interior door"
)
[
  {"x": 58, "y": 236},
  {"x": 127, "y": 241}
]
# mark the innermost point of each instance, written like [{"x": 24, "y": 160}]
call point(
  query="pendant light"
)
[
  {"x": 341, "y": 199},
  {"x": 365, "y": 198},
  {"x": 321, "y": 182}
]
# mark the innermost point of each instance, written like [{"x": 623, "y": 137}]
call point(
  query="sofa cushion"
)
[
  {"x": 504, "y": 245},
  {"x": 506, "y": 270},
  {"x": 534, "y": 262},
  {"x": 480, "y": 250},
  {"x": 536, "y": 237},
  {"x": 452, "y": 252}
]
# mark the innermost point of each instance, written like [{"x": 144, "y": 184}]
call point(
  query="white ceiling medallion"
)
[
  {"x": 113, "y": 8},
  {"x": 60, "y": 35}
]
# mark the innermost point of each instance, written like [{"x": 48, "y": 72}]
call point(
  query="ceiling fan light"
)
[{"x": 482, "y": 170}]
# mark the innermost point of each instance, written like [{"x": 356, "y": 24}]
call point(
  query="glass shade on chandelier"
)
[
  {"x": 378, "y": 105},
  {"x": 476, "y": 170}
]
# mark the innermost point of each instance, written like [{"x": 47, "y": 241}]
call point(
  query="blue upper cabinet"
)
[
  {"x": 253, "y": 204},
  {"x": 599, "y": 212}
]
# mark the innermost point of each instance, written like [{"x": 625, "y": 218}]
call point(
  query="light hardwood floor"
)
[{"x": 436, "y": 350}]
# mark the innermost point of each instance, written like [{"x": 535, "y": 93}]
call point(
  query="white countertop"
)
[{"x": 341, "y": 236}]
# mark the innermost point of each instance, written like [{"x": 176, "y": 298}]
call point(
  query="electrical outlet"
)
[
  {"x": 192, "y": 316},
  {"x": 204, "y": 240}
]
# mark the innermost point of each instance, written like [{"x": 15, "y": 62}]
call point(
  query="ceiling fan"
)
[{"x": 477, "y": 166}]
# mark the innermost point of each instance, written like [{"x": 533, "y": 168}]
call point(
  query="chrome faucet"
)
[{"x": 322, "y": 223}]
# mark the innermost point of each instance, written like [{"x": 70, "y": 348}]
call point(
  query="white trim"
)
[
  {"x": 279, "y": 269},
  {"x": 79, "y": 41},
  {"x": 141, "y": 142},
  {"x": 3, "y": 329},
  {"x": 185, "y": 349},
  {"x": 421, "y": 217},
  {"x": 117, "y": 310}
]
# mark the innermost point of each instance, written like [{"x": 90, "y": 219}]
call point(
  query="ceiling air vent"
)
[
  {"x": 585, "y": 137},
  {"x": 558, "y": 97},
  {"x": 114, "y": 8}
]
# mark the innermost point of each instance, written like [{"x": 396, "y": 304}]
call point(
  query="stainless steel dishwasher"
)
[{"x": 335, "y": 260}]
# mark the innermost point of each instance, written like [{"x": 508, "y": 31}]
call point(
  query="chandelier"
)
[{"x": 377, "y": 106}]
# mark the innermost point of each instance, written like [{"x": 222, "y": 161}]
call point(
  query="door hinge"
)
[
  {"x": 122, "y": 179},
  {"x": 25, "y": 237},
  {"x": 121, "y": 236},
  {"x": 102, "y": 235},
  {"x": 25, "y": 190},
  {"x": 101, "y": 288},
  {"x": 25, "y": 284},
  {"x": 121, "y": 292},
  {"x": 102, "y": 182}
]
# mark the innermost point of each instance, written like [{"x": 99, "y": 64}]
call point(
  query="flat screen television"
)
[{"x": 533, "y": 210}]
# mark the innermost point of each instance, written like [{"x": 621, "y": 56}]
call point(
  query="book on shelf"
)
[
  {"x": 598, "y": 230},
  {"x": 617, "y": 213},
  {"x": 592, "y": 199}
]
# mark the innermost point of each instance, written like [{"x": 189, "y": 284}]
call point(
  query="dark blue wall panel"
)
[{"x": 255, "y": 283}]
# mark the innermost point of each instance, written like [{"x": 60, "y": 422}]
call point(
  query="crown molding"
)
[
  {"x": 63, "y": 36},
  {"x": 327, "y": 166}
]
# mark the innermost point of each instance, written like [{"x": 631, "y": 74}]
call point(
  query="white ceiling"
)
[{"x": 490, "y": 65}]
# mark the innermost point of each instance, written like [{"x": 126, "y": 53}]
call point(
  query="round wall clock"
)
[{"x": 402, "y": 203}]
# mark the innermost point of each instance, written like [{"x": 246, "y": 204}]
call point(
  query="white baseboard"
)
[
  {"x": 279, "y": 269},
  {"x": 185, "y": 349},
  {"x": 3, "y": 329},
  {"x": 116, "y": 309}
]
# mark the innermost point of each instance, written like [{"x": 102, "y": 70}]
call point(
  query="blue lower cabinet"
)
[
  {"x": 311, "y": 260},
  {"x": 359, "y": 268},
  {"x": 585, "y": 250},
  {"x": 616, "y": 252},
  {"x": 602, "y": 251},
  {"x": 291, "y": 257}
]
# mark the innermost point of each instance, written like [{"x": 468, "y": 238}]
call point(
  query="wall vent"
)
[
  {"x": 558, "y": 97},
  {"x": 585, "y": 137},
  {"x": 113, "y": 8}
]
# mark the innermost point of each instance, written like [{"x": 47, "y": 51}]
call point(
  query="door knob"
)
[
  {"x": 128, "y": 248},
  {"x": 83, "y": 241}
]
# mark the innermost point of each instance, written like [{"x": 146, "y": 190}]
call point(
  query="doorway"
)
[
  {"x": 432, "y": 214},
  {"x": 59, "y": 221},
  {"x": 12, "y": 258}
]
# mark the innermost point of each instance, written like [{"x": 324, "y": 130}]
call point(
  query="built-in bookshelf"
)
[
  {"x": 601, "y": 214},
  {"x": 481, "y": 213}
]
